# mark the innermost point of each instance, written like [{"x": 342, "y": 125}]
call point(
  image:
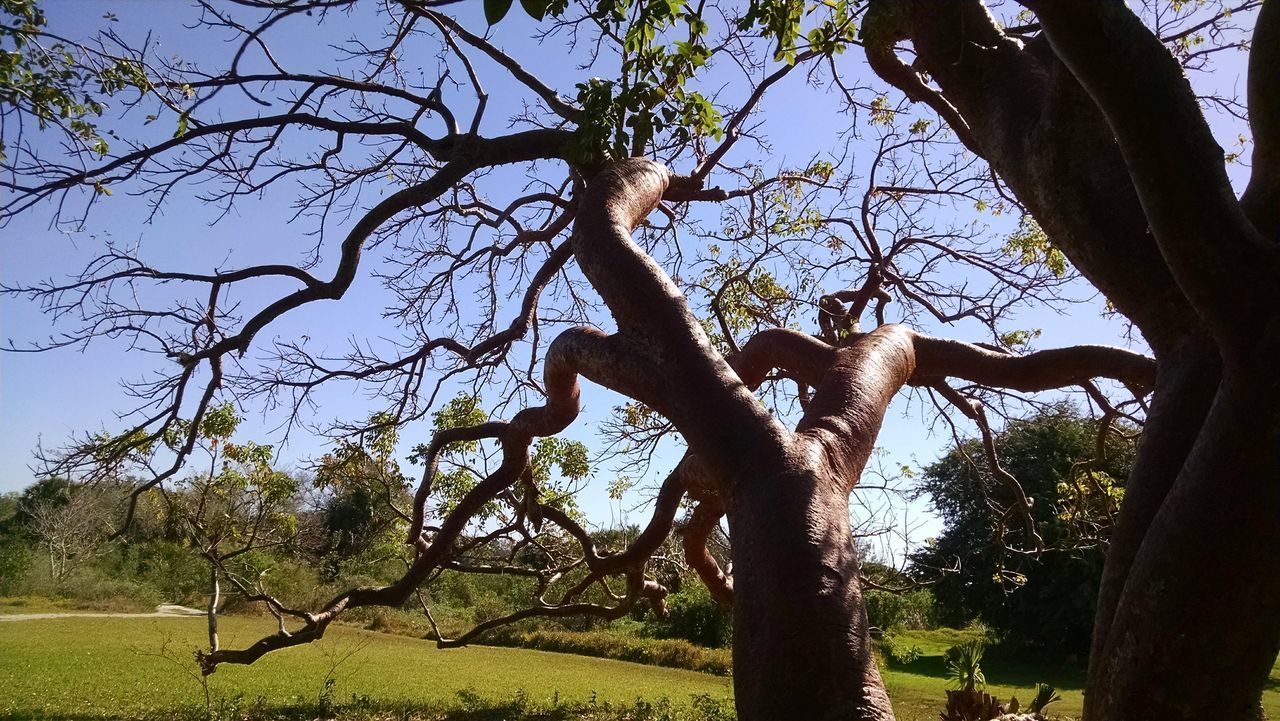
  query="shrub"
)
[
  {"x": 964, "y": 666},
  {"x": 887, "y": 610},
  {"x": 16, "y": 555},
  {"x": 673, "y": 653},
  {"x": 696, "y": 618},
  {"x": 898, "y": 652},
  {"x": 489, "y": 607},
  {"x": 96, "y": 589},
  {"x": 172, "y": 569}
]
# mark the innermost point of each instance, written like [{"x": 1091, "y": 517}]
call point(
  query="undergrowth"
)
[{"x": 672, "y": 653}]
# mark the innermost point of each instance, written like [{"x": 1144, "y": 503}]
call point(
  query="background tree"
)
[
  {"x": 1046, "y": 602},
  {"x": 70, "y": 524},
  {"x": 15, "y": 543},
  {"x": 478, "y": 285},
  {"x": 365, "y": 493},
  {"x": 237, "y": 508}
]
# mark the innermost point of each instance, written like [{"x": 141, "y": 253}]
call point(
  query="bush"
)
[
  {"x": 99, "y": 590},
  {"x": 170, "y": 568},
  {"x": 914, "y": 611},
  {"x": 16, "y": 556},
  {"x": 897, "y": 652},
  {"x": 673, "y": 653},
  {"x": 696, "y": 618}
]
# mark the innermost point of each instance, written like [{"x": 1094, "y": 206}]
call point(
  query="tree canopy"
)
[{"x": 1044, "y": 602}]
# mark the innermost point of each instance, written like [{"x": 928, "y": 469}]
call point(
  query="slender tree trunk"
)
[
  {"x": 800, "y": 648},
  {"x": 215, "y": 595}
]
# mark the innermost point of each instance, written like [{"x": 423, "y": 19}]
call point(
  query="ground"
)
[{"x": 84, "y": 668}]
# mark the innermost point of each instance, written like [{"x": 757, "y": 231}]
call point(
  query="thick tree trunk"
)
[
  {"x": 1197, "y": 625},
  {"x": 800, "y": 648},
  {"x": 1183, "y": 396},
  {"x": 1093, "y": 126}
]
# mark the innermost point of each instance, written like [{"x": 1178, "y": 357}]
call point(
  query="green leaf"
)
[
  {"x": 495, "y": 10},
  {"x": 537, "y": 9}
]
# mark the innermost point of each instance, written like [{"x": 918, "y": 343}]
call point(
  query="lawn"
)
[
  {"x": 86, "y": 668},
  {"x": 916, "y": 687}
]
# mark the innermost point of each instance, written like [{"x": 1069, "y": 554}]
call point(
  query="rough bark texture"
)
[
  {"x": 801, "y": 648},
  {"x": 1093, "y": 126}
]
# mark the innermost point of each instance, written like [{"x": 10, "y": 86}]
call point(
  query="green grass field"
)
[
  {"x": 915, "y": 689},
  {"x": 85, "y": 669}
]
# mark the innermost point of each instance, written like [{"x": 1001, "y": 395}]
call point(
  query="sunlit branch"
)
[{"x": 702, "y": 523}]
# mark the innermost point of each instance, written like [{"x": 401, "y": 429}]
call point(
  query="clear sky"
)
[{"x": 47, "y": 397}]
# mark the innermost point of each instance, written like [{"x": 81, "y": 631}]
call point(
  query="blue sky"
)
[{"x": 49, "y": 396}]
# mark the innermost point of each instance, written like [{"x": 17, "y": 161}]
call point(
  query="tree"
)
[
  {"x": 1080, "y": 118},
  {"x": 71, "y": 527},
  {"x": 1149, "y": 216},
  {"x": 239, "y": 505},
  {"x": 365, "y": 492},
  {"x": 15, "y": 543},
  {"x": 1044, "y": 602}
]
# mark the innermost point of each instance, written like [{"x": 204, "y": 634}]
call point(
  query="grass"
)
[
  {"x": 42, "y": 604},
  {"x": 86, "y": 668},
  {"x": 916, "y": 688}
]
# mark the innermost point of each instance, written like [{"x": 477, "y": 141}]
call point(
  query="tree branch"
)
[
  {"x": 801, "y": 354},
  {"x": 701, "y": 394},
  {"x": 1039, "y": 371},
  {"x": 1219, "y": 260},
  {"x": 702, "y": 523},
  {"x": 1018, "y": 102},
  {"x": 973, "y": 410},
  {"x": 1261, "y": 198},
  {"x": 559, "y": 105}
]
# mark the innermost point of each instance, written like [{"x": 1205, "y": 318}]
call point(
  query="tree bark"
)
[
  {"x": 801, "y": 648},
  {"x": 215, "y": 596},
  {"x": 1184, "y": 392},
  {"x": 1088, "y": 124},
  {"x": 800, "y": 643},
  {"x": 1196, "y": 625}
]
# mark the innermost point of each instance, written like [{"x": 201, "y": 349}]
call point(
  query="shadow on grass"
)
[{"x": 1005, "y": 669}]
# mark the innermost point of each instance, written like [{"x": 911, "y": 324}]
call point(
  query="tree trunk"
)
[
  {"x": 215, "y": 595},
  {"x": 1183, "y": 396},
  {"x": 800, "y": 646},
  {"x": 1196, "y": 626}
]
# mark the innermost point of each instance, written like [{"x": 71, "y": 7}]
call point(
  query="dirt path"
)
[{"x": 164, "y": 610}]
